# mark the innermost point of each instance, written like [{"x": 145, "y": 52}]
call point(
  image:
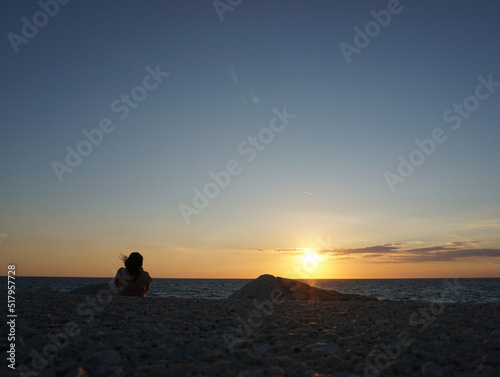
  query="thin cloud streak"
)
[{"x": 492, "y": 223}]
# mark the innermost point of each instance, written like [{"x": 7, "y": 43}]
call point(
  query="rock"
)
[
  {"x": 76, "y": 372},
  {"x": 333, "y": 362},
  {"x": 262, "y": 349},
  {"x": 180, "y": 370},
  {"x": 432, "y": 370},
  {"x": 155, "y": 370},
  {"x": 276, "y": 371},
  {"x": 297, "y": 369},
  {"x": 406, "y": 365},
  {"x": 229, "y": 373},
  {"x": 343, "y": 373},
  {"x": 327, "y": 348},
  {"x": 211, "y": 356},
  {"x": 66, "y": 367},
  {"x": 110, "y": 358},
  {"x": 276, "y": 289}
]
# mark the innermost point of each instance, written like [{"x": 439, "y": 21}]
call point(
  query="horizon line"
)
[{"x": 239, "y": 278}]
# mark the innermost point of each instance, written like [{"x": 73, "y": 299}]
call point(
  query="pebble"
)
[
  {"x": 77, "y": 372},
  {"x": 276, "y": 371},
  {"x": 327, "y": 348},
  {"x": 432, "y": 370},
  {"x": 186, "y": 337},
  {"x": 297, "y": 369}
]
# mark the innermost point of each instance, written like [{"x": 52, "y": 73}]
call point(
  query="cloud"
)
[
  {"x": 448, "y": 247},
  {"x": 401, "y": 253},
  {"x": 275, "y": 251},
  {"x": 446, "y": 256},
  {"x": 380, "y": 249},
  {"x": 452, "y": 251},
  {"x": 492, "y": 223},
  {"x": 372, "y": 255},
  {"x": 288, "y": 250}
]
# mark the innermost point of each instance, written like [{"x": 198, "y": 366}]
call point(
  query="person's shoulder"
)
[
  {"x": 146, "y": 274},
  {"x": 121, "y": 270}
]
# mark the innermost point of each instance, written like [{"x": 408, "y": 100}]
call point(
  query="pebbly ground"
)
[{"x": 106, "y": 335}]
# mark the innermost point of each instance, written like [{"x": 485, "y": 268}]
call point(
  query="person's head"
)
[{"x": 133, "y": 263}]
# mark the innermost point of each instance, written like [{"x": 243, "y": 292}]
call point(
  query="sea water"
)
[{"x": 435, "y": 290}]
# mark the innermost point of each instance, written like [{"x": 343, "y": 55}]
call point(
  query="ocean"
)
[{"x": 429, "y": 290}]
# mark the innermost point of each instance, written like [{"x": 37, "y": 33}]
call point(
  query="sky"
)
[{"x": 228, "y": 139}]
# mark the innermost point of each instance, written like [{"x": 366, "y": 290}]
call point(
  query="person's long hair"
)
[{"x": 133, "y": 264}]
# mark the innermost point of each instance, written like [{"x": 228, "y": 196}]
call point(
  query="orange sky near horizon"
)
[{"x": 91, "y": 260}]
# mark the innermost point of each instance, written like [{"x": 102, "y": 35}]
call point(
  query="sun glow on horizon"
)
[
  {"x": 311, "y": 262},
  {"x": 310, "y": 257}
]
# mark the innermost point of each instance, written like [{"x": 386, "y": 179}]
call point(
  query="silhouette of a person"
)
[{"x": 132, "y": 280}]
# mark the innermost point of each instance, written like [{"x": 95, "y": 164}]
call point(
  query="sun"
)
[
  {"x": 310, "y": 258},
  {"x": 310, "y": 261}
]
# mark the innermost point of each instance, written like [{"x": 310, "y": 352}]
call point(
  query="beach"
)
[{"x": 72, "y": 335}]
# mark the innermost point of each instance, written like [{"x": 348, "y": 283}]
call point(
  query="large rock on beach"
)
[{"x": 266, "y": 285}]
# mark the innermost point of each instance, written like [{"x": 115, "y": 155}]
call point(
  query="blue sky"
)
[{"x": 320, "y": 178}]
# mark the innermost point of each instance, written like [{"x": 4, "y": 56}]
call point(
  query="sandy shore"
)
[{"x": 105, "y": 335}]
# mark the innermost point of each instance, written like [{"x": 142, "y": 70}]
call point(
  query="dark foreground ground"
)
[{"x": 105, "y": 335}]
